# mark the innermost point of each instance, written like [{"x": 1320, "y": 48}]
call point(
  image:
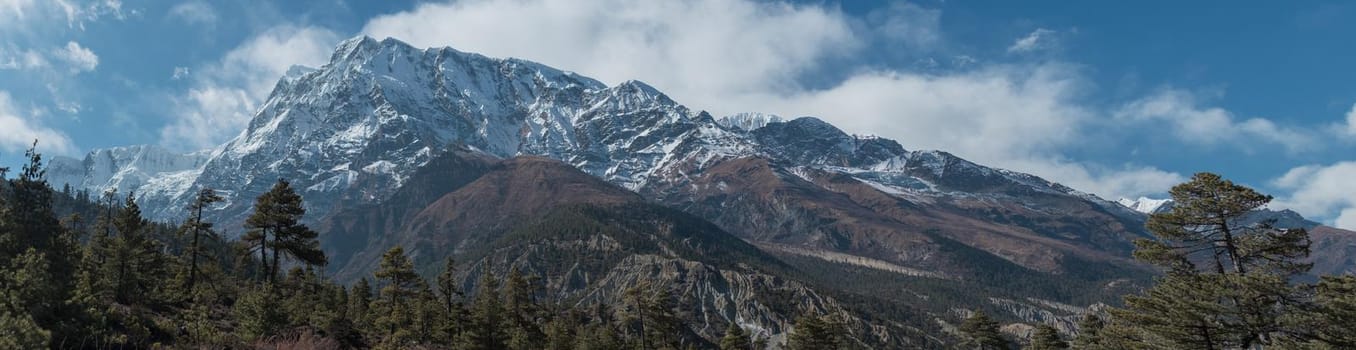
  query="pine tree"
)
[
  {"x": 277, "y": 213},
  {"x": 735, "y": 338},
  {"x": 560, "y": 332},
  {"x": 521, "y": 312},
  {"x": 260, "y": 313},
  {"x": 136, "y": 263},
  {"x": 1331, "y": 319},
  {"x": 650, "y": 312},
  {"x": 1228, "y": 281},
  {"x": 981, "y": 332},
  {"x": 450, "y": 295},
  {"x": 26, "y": 281},
  {"x": 814, "y": 332},
  {"x": 198, "y": 229},
  {"x": 1047, "y": 338},
  {"x": 29, "y": 223},
  {"x": 1089, "y": 332},
  {"x": 359, "y": 301},
  {"x": 401, "y": 287},
  {"x": 486, "y": 330}
]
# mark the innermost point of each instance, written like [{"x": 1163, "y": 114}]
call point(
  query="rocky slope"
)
[{"x": 588, "y": 240}]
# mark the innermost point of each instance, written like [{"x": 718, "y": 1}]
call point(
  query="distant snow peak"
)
[
  {"x": 1144, "y": 204},
  {"x": 748, "y": 121}
]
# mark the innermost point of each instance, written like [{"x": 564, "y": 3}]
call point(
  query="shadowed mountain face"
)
[{"x": 588, "y": 240}]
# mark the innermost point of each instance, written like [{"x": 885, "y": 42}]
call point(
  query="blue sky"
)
[{"x": 1114, "y": 98}]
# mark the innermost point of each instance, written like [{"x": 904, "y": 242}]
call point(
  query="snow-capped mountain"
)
[
  {"x": 353, "y": 130},
  {"x": 1146, "y": 205},
  {"x": 146, "y": 169}
]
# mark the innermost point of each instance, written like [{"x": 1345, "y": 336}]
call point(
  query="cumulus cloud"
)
[
  {"x": 79, "y": 58},
  {"x": 20, "y": 130},
  {"x": 699, "y": 52},
  {"x": 1348, "y": 128},
  {"x": 1322, "y": 191},
  {"x": 225, "y": 94},
  {"x": 194, "y": 12},
  {"x": 729, "y": 56},
  {"x": 74, "y": 57},
  {"x": 1195, "y": 124},
  {"x": 1038, "y": 39}
]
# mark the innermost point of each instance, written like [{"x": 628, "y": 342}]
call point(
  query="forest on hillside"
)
[{"x": 101, "y": 276}]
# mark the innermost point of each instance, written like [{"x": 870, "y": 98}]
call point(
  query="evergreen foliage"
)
[
  {"x": 1047, "y": 338},
  {"x": 735, "y": 338},
  {"x": 815, "y": 332},
  {"x": 1228, "y": 283},
  {"x": 981, "y": 332}
]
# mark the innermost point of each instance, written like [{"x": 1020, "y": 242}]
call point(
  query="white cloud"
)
[
  {"x": 21, "y": 14},
  {"x": 194, "y": 12},
  {"x": 1038, "y": 39},
  {"x": 81, "y": 59},
  {"x": 15, "y": 10},
  {"x": 226, "y": 93},
  {"x": 20, "y": 131},
  {"x": 1321, "y": 192},
  {"x": 1195, "y": 124},
  {"x": 1348, "y": 128},
  {"x": 77, "y": 58},
  {"x": 699, "y": 52},
  {"x": 22, "y": 60}
]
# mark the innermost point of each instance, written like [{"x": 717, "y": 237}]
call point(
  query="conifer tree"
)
[
  {"x": 260, "y": 313},
  {"x": 26, "y": 281},
  {"x": 735, "y": 338},
  {"x": 1047, "y": 338},
  {"x": 401, "y": 287},
  {"x": 487, "y": 317},
  {"x": 1228, "y": 280},
  {"x": 29, "y": 223},
  {"x": 449, "y": 296},
  {"x": 1089, "y": 332},
  {"x": 277, "y": 214},
  {"x": 1331, "y": 320},
  {"x": 198, "y": 229},
  {"x": 359, "y": 301},
  {"x": 815, "y": 332},
  {"x": 137, "y": 264},
  {"x": 521, "y": 312},
  {"x": 650, "y": 311},
  {"x": 981, "y": 332}
]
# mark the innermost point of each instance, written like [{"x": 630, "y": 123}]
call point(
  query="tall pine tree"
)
[
  {"x": 981, "y": 332},
  {"x": 199, "y": 230},
  {"x": 276, "y": 225},
  {"x": 1228, "y": 279}
]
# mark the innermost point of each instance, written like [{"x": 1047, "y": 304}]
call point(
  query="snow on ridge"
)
[{"x": 1144, "y": 204}]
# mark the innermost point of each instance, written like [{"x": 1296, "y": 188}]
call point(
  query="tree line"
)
[{"x": 104, "y": 277}]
